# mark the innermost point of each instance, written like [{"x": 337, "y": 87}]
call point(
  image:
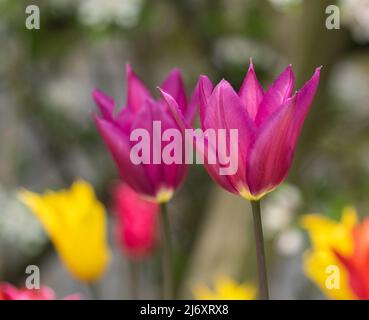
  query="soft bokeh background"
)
[{"x": 48, "y": 138}]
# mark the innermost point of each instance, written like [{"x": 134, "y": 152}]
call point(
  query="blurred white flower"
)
[
  {"x": 350, "y": 84},
  {"x": 73, "y": 104},
  {"x": 276, "y": 218},
  {"x": 289, "y": 242},
  {"x": 280, "y": 208},
  {"x": 355, "y": 14},
  {"x": 101, "y": 13},
  {"x": 284, "y": 4}
]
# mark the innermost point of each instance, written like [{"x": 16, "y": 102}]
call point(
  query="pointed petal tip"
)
[
  {"x": 99, "y": 95},
  {"x": 251, "y": 65},
  {"x": 203, "y": 79},
  {"x": 128, "y": 67},
  {"x": 174, "y": 109},
  {"x": 289, "y": 70},
  {"x": 22, "y": 193},
  {"x": 166, "y": 96},
  {"x": 129, "y": 70},
  {"x": 162, "y": 91},
  {"x": 176, "y": 71},
  {"x": 95, "y": 92},
  {"x": 318, "y": 69},
  {"x": 104, "y": 102},
  {"x": 292, "y": 74},
  {"x": 224, "y": 84},
  {"x": 316, "y": 75},
  {"x": 176, "y": 74},
  {"x": 205, "y": 86}
]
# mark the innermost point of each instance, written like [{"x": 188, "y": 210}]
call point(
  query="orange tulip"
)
[{"x": 357, "y": 264}]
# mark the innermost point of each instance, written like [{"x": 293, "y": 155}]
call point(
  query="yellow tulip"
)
[
  {"x": 76, "y": 223},
  {"x": 225, "y": 289},
  {"x": 327, "y": 236}
]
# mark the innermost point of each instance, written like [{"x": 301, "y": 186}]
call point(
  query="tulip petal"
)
[
  {"x": 355, "y": 278},
  {"x": 280, "y": 90},
  {"x": 303, "y": 102},
  {"x": 251, "y": 92},
  {"x": 41, "y": 210},
  {"x": 144, "y": 121},
  {"x": 224, "y": 110},
  {"x": 137, "y": 92},
  {"x": 105, "y": 103},
  {"x": 270, "y": 157},
  {"x": 124, "y": 119},
  {"x": 118, "y": 145},
  {"x": 74, "y": 220},
  {"x": 207, "y": 150},
  {"x": 160, "y": 174},
  {"x": 175, "y": 110},
  {"x": 205, "y": 89},
  {"x": 174, "y": 85},
  {"x": 272, "y": 154},
  {"x": 136, "y": 222},
  {"x": 356, "y": 261}
]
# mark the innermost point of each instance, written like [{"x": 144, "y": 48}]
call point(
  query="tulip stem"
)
[
  {"x": 260, "y": 254},
  {"x": 134, "y": 279},
  {"x": 166, "y": 253},
  {"x": 93, "y": 291}
]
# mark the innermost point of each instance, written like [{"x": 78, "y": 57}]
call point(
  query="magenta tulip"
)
[
  {"x": 157, "y": 181},
  {"x": 137, "y": 222},
  {"x": 9, "y": 292},
  {"x": 268, "y": 124}
]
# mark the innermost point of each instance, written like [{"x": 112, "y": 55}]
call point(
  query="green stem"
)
[
  {"x": 166, "y": 253},
  {"x": 260, "y": 254},
  {"x": 93, "y": 291},
  {"x": 134, "y": 279}
]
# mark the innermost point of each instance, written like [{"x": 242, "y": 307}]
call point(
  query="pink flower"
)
[
  {"x": 137, "y": 222},
  {"x": 157, "y": 181},
  {"x": 9, "y": 292},
  {"x": 268, "y": 123}
]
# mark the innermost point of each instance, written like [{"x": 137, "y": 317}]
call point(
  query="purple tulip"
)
[
  {"x": 156, "y": 181},
  {"x": 268, "y": 123}
]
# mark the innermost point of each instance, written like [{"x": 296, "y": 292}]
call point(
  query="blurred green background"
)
[{"x": 48, "y": 138}]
